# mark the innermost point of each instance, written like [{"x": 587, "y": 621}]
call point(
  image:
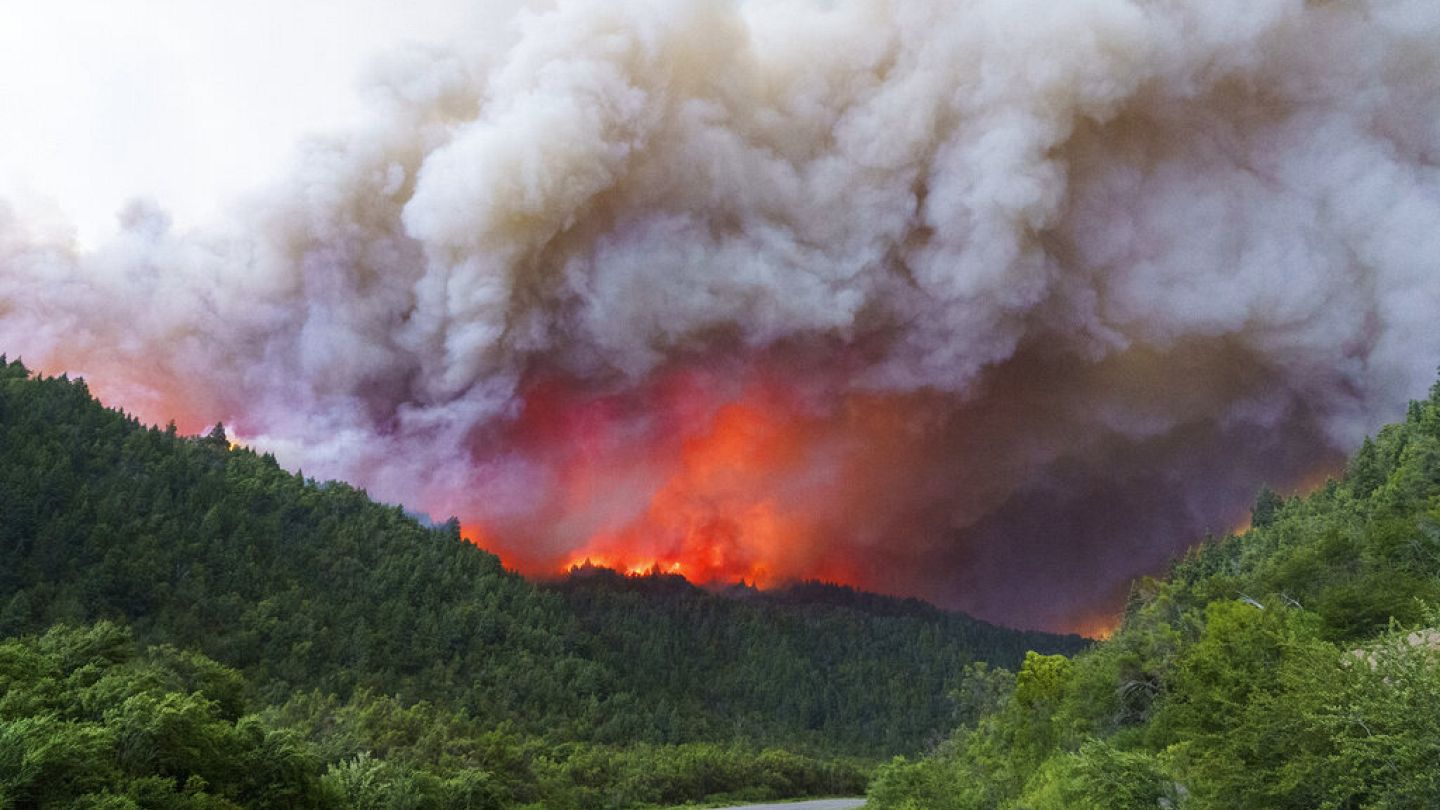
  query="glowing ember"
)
[{"x": 633, "y": 569}]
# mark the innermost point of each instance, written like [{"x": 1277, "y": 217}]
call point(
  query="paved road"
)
[{"x": 821, "y": 804}]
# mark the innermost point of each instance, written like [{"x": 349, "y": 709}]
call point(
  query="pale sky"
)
[{"x": 187, "y": 102}]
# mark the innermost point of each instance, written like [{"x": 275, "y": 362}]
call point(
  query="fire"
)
[
  {"x": 710, "y": 518},
  {"x": 634, "y": 569},
  {"x": 716, "y": 471},
  {"x": 1099, "y": 627},
  {"x": 719, "y": 478}
]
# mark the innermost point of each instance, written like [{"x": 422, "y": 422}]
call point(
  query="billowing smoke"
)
[{"x": 997, "y": 302}]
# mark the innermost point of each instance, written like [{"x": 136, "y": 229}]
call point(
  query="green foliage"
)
[
  {"x": 1279, "y": 669},
  {"x": 982, "y": 690},
  {"x": 1221, "y": 672},
  {"x": 88, "y": 720},
  {"x": 297, "y": 636},
  {"x": 1042, "y": 680},
  {"x": 1267, "y": 505},
  {"x": 1099, "y": 776},
  {"x": 1107, "y": 777},
  {"x": 938, "y": 782},
  {"x": 863, "y": 673}
]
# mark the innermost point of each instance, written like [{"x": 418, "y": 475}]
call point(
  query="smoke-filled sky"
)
[{"x": 994, "y": 302}]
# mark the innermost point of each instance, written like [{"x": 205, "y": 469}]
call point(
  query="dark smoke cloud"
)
[{"x": 1136, "y": 258}]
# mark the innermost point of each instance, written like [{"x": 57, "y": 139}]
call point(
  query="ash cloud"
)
[{"x": 1134, "y": 257}]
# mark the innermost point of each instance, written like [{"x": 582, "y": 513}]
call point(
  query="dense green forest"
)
[
  {"x": 1296, "y": 665},
  {"x": 180, "y": 611}
]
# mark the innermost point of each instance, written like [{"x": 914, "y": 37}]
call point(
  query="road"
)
[{"x": 821, "y": 804}]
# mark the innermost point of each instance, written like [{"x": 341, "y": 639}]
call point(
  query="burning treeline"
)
[{"x": 993, "y": 302}]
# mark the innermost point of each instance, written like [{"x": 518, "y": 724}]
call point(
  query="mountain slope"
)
[
  {"x": 1293, "y": 666},
  {"x": 337, "y": 611},
  {"x": 821, "y": 656}
]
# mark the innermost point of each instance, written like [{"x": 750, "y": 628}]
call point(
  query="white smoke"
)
[{"x": 1105, "y": 224}]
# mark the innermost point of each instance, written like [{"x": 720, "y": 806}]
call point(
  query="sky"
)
[{"x": 187, "y": 103}]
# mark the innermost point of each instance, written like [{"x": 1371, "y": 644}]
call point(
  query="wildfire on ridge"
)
[
  {"x": 720, "y": 478},
  {"x": 714, "y": 474},
  {"x": 1099, "y": 626},
  {"x": 635, "y": 569}
]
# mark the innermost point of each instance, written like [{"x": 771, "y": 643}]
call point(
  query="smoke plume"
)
[{"x": 996, "y": 302}]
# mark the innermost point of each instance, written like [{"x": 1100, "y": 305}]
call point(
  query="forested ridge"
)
[
  {"x": 1295, "y": 665},
  {"x": 179, "y": 607}
]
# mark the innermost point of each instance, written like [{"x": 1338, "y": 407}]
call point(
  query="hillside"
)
[
  {"x": 846, "y": 670},
  {"x": 361, "y": 630},
  {"x": 1291, "y": 666}
]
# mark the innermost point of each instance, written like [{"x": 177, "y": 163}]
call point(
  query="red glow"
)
[
  {"x": 717, "y": 479},
  {"x": 1099, "y": 627},
  {"x": 710, "y": 520},
  {"x": 153, "y": 395},
  {"x": 636, "y": 569},
  {"x": 720, "y": 472}
]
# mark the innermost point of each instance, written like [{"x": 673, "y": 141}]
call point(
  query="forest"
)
[
  {"x": 1293, "y": 665},
  {"x": 187, "y": 624}
]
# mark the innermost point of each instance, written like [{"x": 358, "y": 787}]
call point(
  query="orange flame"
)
[
  {"x": 636, "y": 569},
  {"x": 708, "y": 520},
  {"x": 720, "y": 480}
]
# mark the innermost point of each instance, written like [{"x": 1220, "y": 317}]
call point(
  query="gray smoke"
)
[{"x": 1137, "y": 257}]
